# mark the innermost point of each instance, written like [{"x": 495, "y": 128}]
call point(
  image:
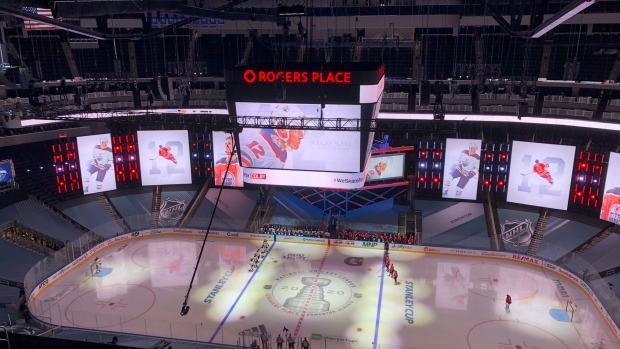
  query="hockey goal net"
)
[{"x": 571, "y": 310}]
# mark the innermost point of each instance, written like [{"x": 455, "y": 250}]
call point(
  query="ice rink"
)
[{"x": 333, "y": 295}]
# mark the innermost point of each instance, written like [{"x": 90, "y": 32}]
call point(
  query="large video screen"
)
[
  {"x": 164, "y": 157},
  {"x": 305, "y": 150},
  {"x": 610, "y": 210},
  {"x": 7, "y": 171},
  {"x": 96, "y": 163},
  {"x": 540, "y": 174},
  {"x": 386, "y": 167},
  {"x": 460, "y": 176},
  {"x": 223, "y": 152}
]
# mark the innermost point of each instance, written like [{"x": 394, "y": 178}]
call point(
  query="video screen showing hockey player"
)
[
  {"x": 385, "y": 167},
  {"x": 462, "y": 168},
  {"x": 292, "y": 148},
  {"x": 540, "y": 174},
  {"x": 224, "y": 151},
  {"x": 610, "y": 209},
  {"x": 164, "y": 157},
  {"x": 96, "y": 163}
]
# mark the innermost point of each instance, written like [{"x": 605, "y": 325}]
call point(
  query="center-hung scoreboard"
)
[{"x": 309, "y": 125}]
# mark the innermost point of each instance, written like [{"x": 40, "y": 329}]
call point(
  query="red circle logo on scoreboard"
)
[{"x": 249, "y": 76}]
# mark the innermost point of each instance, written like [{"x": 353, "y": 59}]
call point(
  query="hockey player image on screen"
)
[
  {"x": 268, "y": 148},
  {"x": 98, "y": 165},
  {"x": 541, "y": 169},
  {"x": 164, "y": 157},
  {"x": 610, "y": 209},
  {"x": 234, "y": 176},
  {"x": 377, "y": 170},
  {"x": 166, "y": 153},
  {"x": 540, "y": 174},
  {"x": 464, "y": 169}
]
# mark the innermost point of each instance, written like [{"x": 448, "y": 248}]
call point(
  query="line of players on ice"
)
[
  {"x": 259, "y": 255},
  {"x": 389, "y": 267}
]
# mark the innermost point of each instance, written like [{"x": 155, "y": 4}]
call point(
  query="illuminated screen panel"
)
[
  {"x": 460, "y": 174},
  {"x": 588, "y": 179},
  {"x": 610, "y": 209},
  {"x": 7, "y": 171},
  {"x": 96, "y": 163},
  {"x": 304, "y": 150},
  {"x": 540, "y": 174},
  {"x": 386, "y": 167},
  {"x": 66, "y": 167},
  {"x": 223, "y": 147},
  {"x": 164, "y": 157}
]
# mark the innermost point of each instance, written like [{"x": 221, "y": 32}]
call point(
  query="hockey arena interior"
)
[{"x": 329, "y": 174}]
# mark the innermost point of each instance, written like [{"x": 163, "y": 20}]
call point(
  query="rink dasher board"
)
[{"x": 515, "y": 257}]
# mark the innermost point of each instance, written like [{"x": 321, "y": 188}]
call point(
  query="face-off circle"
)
[
  {"x": 498, "y": 280},
  {"x": 331, "y": 293},
  {"x": 507, "y": 334},
  {"x": 109, "y": 306}
]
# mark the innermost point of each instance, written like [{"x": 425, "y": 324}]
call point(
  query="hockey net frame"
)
[{"x": 571, "y": 309}]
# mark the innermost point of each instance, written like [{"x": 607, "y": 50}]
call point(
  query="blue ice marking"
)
[
  {"x": 559, "y": 315},
  {"x": 103, "y": 272}
]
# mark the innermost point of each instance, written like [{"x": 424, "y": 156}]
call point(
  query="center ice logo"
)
[
  {"x": 172, "y": 209},
  {"x": 518, "y": 233},
  {"x": 301, "y": 292}
]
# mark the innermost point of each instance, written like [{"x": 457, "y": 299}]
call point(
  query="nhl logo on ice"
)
[
  {"x": 172, "y": 209},
  {"x": 518, "y": 233}
]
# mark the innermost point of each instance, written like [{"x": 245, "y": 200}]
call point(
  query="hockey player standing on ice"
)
[
  {"x": 264, "y": 339},
  {"x": 508, "y": 302},
  {"x": 165, "y": 153},
  {"x": 279, "y": 341},
  {"x": 465, "y": 168},
  {"x": 291, "y": 342},
  {"x": 268, "y": 148},
  {"x": 100, "y": 163},
  {"x": 541, "y": 169},
  {"x": 235, "y": 172},
  {"x": 305, "y": 344}
]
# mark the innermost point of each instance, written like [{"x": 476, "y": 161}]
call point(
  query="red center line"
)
[{"x": 312, "y": 288}]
